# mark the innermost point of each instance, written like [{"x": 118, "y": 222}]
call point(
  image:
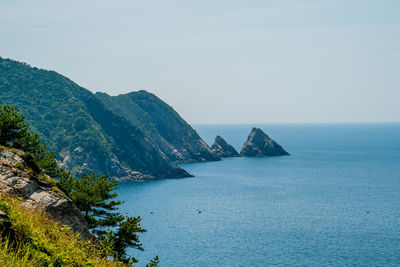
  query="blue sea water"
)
[{"x": 334, "y": 202}]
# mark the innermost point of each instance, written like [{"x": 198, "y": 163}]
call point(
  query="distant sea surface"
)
[{"x": 334, "y": 202}]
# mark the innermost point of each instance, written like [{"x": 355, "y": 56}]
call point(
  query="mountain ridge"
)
[
  {"x": 86, "y": 134},
  {"x": 169, "y": 132}
]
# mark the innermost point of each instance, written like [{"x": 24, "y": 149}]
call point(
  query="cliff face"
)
[
  {"x": 38, "y": 194},
  {"x": 259, "y": 144},
  {"x": 223, "y": 149},
  {"x": 88, "y": 136},
  {"x": 163, "y": 127}
]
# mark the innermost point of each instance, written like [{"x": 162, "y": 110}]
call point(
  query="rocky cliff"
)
[
  {"x": 90, "y": 135},
  {"x": 259, "y": 144},
  {"x": 38, "y": 193},
  {"x": 222, "y": 149},
  {"x": 163, "y": 127}
]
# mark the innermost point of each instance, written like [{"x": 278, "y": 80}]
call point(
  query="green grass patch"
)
[
  {"x": 29, "y": 238},
  {"x": 13, "y": 150}
]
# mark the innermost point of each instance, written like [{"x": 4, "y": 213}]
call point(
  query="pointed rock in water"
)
[
  {"x": 222, "y": 149},
  {"x": 259, "y": 144}
]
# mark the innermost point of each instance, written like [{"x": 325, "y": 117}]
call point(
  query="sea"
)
[{"x": 335, "y": 201}]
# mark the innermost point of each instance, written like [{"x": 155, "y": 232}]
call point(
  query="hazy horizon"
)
[{"x": 230, "y": 62}]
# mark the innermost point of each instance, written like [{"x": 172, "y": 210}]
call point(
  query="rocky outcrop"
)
[
  {"x": 39, "y": 194},
  {"x": 222, "y": 149},
  {"x": 259, "y": 144}
]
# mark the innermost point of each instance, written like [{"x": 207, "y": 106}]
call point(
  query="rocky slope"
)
[
  {"x": 38, "y": 193},
  {"x": 222, "y": 149},
  {"x": 259, "y": 144},
  {"x": 163, "y": 127},
  {"x": 88, "y": 136}
]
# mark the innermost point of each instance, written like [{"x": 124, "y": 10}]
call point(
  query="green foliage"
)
[
  {"x": 68, "y": 117},
  {"x": 35, "y": 240},
  {"x": 14, "y": 133},
  {"x": 5, "y": 206},
  {"x": 94, "y": 195},
  {"x": 66, "y": 182},
  {"x": 126, "y": 237},
  {"x": 143, "y": 110},
  {"x": 154, "y": 262},
  {"x": 13, "y": 128}
]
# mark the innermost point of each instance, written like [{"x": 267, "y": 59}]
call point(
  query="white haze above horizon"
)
[{"x": 226, "y": 61}]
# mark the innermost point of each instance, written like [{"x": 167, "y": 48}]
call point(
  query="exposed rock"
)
[
  {"x": 259, "y": 144},
  {"x": 14, "y": 180},
  {"x": 222, "y": 149}
]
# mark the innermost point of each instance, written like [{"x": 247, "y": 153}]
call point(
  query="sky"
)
[{"x": 222, "y": 61}]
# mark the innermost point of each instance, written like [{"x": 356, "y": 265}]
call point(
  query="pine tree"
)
[
  {"x": 93, "y": 195},
  {"x": 13, "y": 127},
  {"x": 15, "y": 133},
  {"x": 154, "y": 262}
]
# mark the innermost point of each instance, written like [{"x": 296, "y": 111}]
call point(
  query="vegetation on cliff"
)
[
  {"x": 32, "y": 239},
  {"x": 161, "y": 124},
  {"x": 88, "y": 134},
  {"x": 93, "y": 195}
]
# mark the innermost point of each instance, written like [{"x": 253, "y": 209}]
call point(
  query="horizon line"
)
[{"x": 241, "y": 123}]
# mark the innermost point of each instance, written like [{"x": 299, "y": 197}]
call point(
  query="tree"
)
[
  {"x": 93, "y": 195},
  {"x": 154, "y": 262},
  {"x": 126, "y": 237},
  {"x": 14, "y": 133},
  {"x": 13, "y": 127}
]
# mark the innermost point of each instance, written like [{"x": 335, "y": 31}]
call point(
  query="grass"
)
[
  {"x": 14, "y": 150},
  {"x": 35, "y": 240}
]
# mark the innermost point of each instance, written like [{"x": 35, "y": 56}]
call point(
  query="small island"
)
[
  {"x": 259, "y": 144},
  {"x": 222, "y": 149}
]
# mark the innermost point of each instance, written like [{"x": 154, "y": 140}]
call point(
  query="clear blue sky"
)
[{"x": 222, "y": 60}]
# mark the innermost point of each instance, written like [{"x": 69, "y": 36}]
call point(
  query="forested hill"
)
[
  {"x": 86, "y": 134},
  {"x": 161, "y": 124}
]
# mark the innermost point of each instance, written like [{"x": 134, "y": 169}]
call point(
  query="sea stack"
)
[
  {"x": 222, "y": 149},
  {"x": 259, "y": 144}
]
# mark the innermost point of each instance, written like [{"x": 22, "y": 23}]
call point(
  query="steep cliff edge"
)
[
  {"x": 259, "y": 144},
  {"x": 163, "y": 127},
  {"x": 222, "y": 149},
  {"x": 38, "y": 193},
  {"x": 86, "y": 135}
]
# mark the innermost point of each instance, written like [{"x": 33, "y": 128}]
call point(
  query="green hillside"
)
[
  {"x": 85, "y": 134},
  {"x": 162, "y": 125}
]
